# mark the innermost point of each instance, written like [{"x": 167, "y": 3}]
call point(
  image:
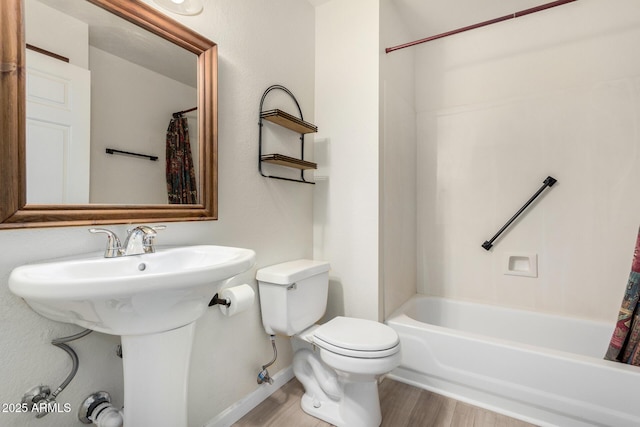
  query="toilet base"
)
[
  {"x": 359, "y": 406},
  {"x": 327, "y": 411},
  {"x": 339, "y": 398}
]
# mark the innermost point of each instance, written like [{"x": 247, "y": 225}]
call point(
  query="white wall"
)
[
  {"x": 397, "y": 162},
  {"x": 500, "y": 108},
  {"x": 52, "y": 30},
  {"x": 346, "y": 205},
  {"x": 271, "y": 217},
  {"x": 130, "y": 113},
  {"x": 365, "y": 211}
]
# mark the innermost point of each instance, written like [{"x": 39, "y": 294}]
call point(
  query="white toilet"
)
[{"x": 339, "y": 362}]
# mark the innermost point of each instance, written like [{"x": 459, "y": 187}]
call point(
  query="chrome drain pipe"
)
[{"x": 98, "y": 410}]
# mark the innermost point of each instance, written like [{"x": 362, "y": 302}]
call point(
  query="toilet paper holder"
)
[
  {"x": 234, "y": 300},
  {"x": 217, "y": 300}
]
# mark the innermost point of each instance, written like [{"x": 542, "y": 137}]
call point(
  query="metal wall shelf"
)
[
  {"x": 290, "y": 122},
  {"x": 290, "y": 162}
]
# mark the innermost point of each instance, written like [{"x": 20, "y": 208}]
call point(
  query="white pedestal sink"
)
[{"x": 151, "y": 300}]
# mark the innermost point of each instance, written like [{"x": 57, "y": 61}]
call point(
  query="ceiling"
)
[{"x": 426, "y": 18}]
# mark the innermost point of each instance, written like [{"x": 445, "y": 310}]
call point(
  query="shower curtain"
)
[
  {"x": 625, "y": 342},
  {"x": 181, "y": 179}
]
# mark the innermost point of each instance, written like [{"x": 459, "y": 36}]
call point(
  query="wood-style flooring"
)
[{"x": 402, "y": 405}]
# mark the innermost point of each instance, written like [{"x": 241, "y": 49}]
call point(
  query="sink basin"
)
[
  {"x": 132, "y": 295},
  {"x": 151, "y": 300}
]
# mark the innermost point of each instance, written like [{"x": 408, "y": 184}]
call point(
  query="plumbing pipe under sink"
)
[{"x": 98, "y": 410}]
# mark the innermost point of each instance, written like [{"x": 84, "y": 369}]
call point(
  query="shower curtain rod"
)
[
  {"x": 178, "y": 113},
  {"x": 481, "y": 24}
]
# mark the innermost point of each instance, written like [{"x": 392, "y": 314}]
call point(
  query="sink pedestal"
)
[{"x": 156, "y": 372}]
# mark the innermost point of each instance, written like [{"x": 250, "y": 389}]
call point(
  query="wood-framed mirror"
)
[{"x": 18, "y": 211}]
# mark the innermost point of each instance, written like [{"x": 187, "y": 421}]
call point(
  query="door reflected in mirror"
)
[{"x": 109, "y": 85}]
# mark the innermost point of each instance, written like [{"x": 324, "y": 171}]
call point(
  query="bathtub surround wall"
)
[
  {"x": 499, "y": 109},
  {"x": 398, "y": 163},
  {"x": 271, "y": 217}
]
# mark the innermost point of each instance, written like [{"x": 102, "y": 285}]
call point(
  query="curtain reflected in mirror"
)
[{"x": 181, "y": 177}]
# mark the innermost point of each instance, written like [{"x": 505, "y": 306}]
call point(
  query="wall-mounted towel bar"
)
[
  {"x": 129, "y": 153},
  {"x": 547, "y": 183}
]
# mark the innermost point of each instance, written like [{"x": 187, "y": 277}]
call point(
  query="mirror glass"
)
[
  {"x": 54, "y": 166},
  {"x": 100, "y": 98}
]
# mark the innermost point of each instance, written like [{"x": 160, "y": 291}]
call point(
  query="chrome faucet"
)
[{"x": 139, "y": 241}]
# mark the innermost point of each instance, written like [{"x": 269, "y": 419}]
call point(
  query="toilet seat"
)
[{"x": 359, "y": 338}]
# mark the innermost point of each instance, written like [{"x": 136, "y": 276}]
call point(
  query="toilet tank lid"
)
[{"x": 292, "y": 271}]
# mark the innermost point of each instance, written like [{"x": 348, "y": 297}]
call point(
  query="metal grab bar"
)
[{"x": 547, "y": 183}]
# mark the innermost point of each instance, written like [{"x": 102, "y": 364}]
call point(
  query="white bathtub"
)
[{"x": 544, "y": 369}]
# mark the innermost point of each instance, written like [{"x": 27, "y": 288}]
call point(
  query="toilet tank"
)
[{"x": 293, "y": 295}]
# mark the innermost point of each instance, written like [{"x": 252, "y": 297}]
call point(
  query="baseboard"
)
[{"x": 242, "y": 407}]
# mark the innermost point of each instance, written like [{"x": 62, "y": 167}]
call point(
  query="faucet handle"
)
[
  {"x": 149, "y": 236},
  {"x": 113, "y": 243},
  {"x": 140, "y": 239}
]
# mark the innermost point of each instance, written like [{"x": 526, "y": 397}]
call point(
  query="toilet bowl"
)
[
  {"x": 339, "y": 362},
  {"x": 340, "y": 377}
]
